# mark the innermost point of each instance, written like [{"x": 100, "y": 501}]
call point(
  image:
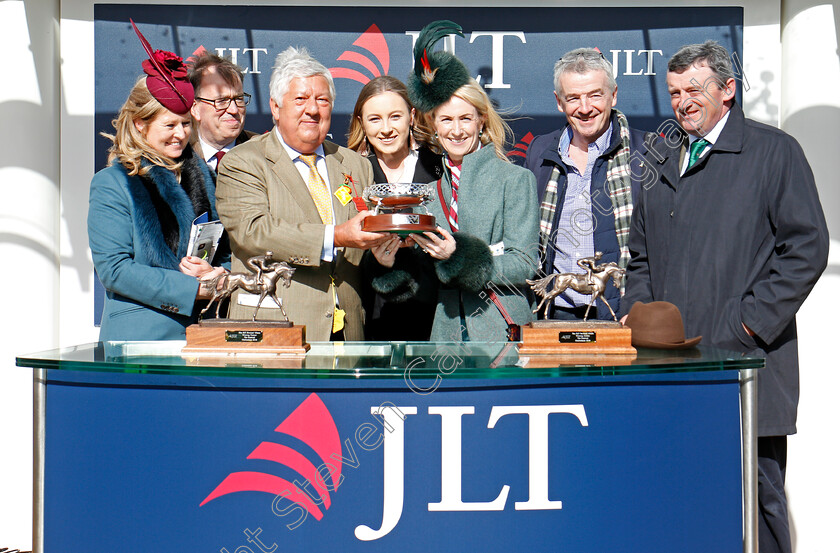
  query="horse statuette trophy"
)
[
  {"x": 224, "y": 336},
  {"x": 393, "y": 205},
  {"x": 575, "y": 337}
]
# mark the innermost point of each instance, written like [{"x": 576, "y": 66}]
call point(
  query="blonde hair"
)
[
  {"x": 129, "y": 145},
  {"x": 496, "y": 130}
]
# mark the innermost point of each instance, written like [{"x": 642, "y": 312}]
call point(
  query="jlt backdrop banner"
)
[{"x": 511, "y": 51}]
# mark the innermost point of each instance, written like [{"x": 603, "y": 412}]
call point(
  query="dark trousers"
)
[
  {"x": 572, "y": 313},
  {"x": 773, "y": 527}
]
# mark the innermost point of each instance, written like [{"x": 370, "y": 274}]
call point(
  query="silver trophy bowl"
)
[{"x": 398, "y": 196}]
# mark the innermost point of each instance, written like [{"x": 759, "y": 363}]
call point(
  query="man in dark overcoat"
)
[{"x": 733, "y": 233}]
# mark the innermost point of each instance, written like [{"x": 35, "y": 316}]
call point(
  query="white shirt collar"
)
[
  {"x": 713, "y": 134},
  {"x": 210, "y": 151},
  {"x": 294, "y": 154},
  {"x": 711, "y": 138},
  {"x": 409, "y": 166}
]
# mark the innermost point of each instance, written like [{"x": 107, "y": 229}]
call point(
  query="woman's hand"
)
[
  {"x": 385, "y": 252},
  {"x": 434, "y": 245},
  {"x": 205, "y": 283},
  {"x": 194, "y": 266}
]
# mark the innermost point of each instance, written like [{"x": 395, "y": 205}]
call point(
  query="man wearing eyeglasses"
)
[
  {"x": 587, "y": 178},
  {"x": 219, "y": 108}
]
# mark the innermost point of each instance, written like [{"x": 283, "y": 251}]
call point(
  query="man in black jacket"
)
[
  {"x": 733, "y": 233},
  {"x": 587, "y": 177}
]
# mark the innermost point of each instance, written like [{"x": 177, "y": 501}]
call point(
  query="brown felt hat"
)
[{"x": 658, "y": 324}]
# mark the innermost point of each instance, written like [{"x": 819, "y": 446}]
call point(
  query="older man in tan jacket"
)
[{"x": 291, "y": 192}]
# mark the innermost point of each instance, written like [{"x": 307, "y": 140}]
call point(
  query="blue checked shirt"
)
[{"x": 574, "y": 236}]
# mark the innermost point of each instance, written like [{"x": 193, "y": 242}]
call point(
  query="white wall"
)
[
  {"x": 791, "y": 62},
  {"x": 29, "y": 238},
  {"x": 811, "y": 113}
]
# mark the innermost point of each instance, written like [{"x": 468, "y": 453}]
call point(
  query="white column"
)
[
  {"x": 77, "y": 168},
  {"x": 810, "y": 112},
  {"x": 29, "y": 214},
  {"x": 810, "y": 102}
]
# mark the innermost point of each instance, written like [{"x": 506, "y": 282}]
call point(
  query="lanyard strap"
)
[
  {"x": 446, "y": 211},
  {"x": 513, "y": 330}
]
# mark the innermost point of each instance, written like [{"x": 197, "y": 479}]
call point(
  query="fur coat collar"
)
[{"x": 164, "y": 209}]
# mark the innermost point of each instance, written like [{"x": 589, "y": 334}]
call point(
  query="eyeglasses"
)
[
  {"x": 583, "y": 55},
  {"x": 222, "y": 104}
]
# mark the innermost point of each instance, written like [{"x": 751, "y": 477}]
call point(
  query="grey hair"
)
[
  {"x": 710, "y": 53},
  {"x": 583, "y": 60},
  {"x": 293, "y": 63}
]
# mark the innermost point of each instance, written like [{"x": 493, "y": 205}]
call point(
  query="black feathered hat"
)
[{"x": 436, "y": 75}]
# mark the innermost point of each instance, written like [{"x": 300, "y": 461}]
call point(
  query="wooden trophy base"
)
[
  {"x": 573, "y": 337},
  {"x": 601, "y": 363},
  {"x": 400, "y": 223},
  {"x": 234, "y": 360},
  {"x": 225, "y": 337}
]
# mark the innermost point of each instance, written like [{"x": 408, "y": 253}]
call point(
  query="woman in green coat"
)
[{"x": 486, "y": 243}]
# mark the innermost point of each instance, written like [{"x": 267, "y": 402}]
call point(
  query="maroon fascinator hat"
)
[{"x": 166, "y": 77}]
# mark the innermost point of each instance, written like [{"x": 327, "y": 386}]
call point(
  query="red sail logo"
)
[
  {"x": 312, "y": 424},
  {"x": 521, "y": 147},
  {"x": 373, "y": 43}
]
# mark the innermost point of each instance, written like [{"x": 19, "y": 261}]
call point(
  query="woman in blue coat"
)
[
  {"x": 486, "y": 243},
  {"x": 142, "y": 207}
]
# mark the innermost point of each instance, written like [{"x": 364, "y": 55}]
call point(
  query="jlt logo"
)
[
  {"x": 312, "y": 425},
  {"x": 644, "y": 58},
  {"x": 394, "y": 419},
  {"x": 497, "y": 51},
  {"x": 372, "y": 42},
  {"x": 371, "y": 57}
]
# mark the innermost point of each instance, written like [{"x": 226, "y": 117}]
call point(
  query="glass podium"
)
[{"x": 372, "y": 446}]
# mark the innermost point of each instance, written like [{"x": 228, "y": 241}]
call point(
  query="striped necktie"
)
[
  {"x": 318, "y": 189},
  {"x": 455, "y": 172}
]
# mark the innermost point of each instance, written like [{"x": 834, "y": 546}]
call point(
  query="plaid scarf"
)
[
  {"x": 547, "y": 208},
  {"x": 618, "y": 185}
]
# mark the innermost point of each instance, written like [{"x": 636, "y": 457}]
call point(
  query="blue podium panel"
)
[{"x": 635, "y": 463}]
